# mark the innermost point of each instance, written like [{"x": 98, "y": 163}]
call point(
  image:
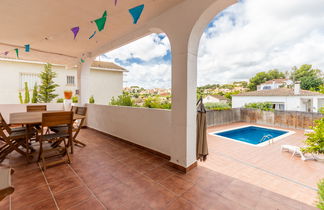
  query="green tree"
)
[
  {"x": 262, "y": 77},
  {"x": 122, "y": 100},
  {"x": 156, "y": 103},
  {"x": 315, "y": 140},
  {"x": 310, "y": 79},
  {"x": 47, "y": 88},
  {"x": 320, "y": 192},
  {"x": 20, "y": 98},
  {"x": 27, "y": 98},
  {"x": 217, "y": 106},
  {"x": 35, "y": 94}
]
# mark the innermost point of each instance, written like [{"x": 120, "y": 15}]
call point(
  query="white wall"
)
[
  {"x": 6, "y": 109},
  {"x": 292, "y": 103},
  {"x": 150, "y": 128},
  {"x": 103, "y": 84}
]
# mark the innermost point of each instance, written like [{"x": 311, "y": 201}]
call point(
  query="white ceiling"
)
[{"x": 46, "y": 26}]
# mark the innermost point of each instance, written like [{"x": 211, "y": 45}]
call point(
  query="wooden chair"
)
[
  {"x": 12, "y": 139},
  {"x": 77, "y": 125},
  {"x": 52, "y": 120},
  {"x": 5, "y": 182},
  {"x": 36, "y": 108},
  {"x": 74, "y": 109}
]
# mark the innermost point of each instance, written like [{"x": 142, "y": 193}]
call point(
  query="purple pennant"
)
[
  {"x": 115, "y": 2},
  {"x": 75, "y": 31},
  {"x": 6, "y": 53}
]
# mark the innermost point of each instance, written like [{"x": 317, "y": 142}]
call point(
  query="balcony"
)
[{"x": 110, "y": 173}]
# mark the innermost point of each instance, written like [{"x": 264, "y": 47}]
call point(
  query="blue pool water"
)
[{"x": 251, "y": 134}]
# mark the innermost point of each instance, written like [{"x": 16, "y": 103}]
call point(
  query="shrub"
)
[
  {"x": 122, "y": 100},
  {"x": 27, "y": 98},
  {"x": 35, "y": 94},
  {"x": 156, "y": 103},
  {"x": 315, "y": 140},
  {"x": 320, "y": 192},
  {"x": 217, "y": 106},
  {"x": 265, "y": 106},
  {"x": 321, "y": 110},
  {"x": 20, "y": 98},
  {"x": 75, "y": 99},
  {"x": 91, "y": 100},
  {"x": 59, "y": 100}
]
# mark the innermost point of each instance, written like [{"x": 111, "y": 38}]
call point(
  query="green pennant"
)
[
  {"x": 17, "y": 52},
  {"x": 100, "y": 22},
  {"x": 82, "y": 61}
]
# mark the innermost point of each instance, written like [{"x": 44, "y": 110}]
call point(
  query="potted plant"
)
[{"x": 68, "y": 94}]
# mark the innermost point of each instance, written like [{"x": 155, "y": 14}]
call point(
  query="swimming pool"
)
[{"x": 253, "y": 135}]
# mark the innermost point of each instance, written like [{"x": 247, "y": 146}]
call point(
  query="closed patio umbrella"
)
[{"x": 202, "y": 147}]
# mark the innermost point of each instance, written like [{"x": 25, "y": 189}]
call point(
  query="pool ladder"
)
[{"x": 265, "y": 138}]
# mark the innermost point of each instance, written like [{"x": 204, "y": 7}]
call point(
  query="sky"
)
[{"x": 244, "y": 39}]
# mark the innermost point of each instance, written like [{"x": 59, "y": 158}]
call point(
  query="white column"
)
[{"x": 83, "y": 75}]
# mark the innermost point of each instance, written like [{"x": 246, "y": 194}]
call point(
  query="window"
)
[
  {"x": 30, "y": 78},
  {"x": 279, "y": 106},
  {"x": 70, "y": 80},
  {"x": 266, "y": 87}
]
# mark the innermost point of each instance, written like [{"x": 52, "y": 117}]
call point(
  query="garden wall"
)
[{"x": 284, "y": 119}]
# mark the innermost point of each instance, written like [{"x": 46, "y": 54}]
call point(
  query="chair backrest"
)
[
  {"x": 4, "y": 125},
  {"x": 57, "y": 118},
  {"x": 81, "y": 111},
  {"x": 36, "y": 108},
  {"x": 74, "y": 109}
]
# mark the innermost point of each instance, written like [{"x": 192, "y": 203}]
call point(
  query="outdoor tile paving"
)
[{"x": 108, "y": 174}]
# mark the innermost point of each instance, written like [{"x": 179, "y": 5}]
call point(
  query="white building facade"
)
[
  {"x": 105, "y": 82},
  {"x": 214, "y": 99},
  {"x": 282, "y": 99}
]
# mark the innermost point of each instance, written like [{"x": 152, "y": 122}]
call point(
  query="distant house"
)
[
  {"x": 106, "y": 79},
  {"x": 282, "y": 99},
  {"x": 274, "y": 84},
  {"x": 215, "y": 99}
]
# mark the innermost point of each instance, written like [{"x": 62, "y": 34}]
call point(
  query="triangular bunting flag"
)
[
  {"x": 136, "y": 12},
  {"x": 82, "y": 61},
  {"x": 100, "y": 22},
  {"x": 94, "y": 33},
  {"x": 17, "y": 52},
  {"x": 115, "y": 2},
  {"x": 75, "y": 31},
  {"x": 6, "y": 53},
  {"x": 27, "y": 48}
]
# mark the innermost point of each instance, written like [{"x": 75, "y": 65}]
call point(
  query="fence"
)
[{"x": 285, "y": 119}]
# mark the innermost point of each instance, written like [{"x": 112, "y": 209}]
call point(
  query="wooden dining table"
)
[
  {"x": 29, "y": 119},
  {"x": 32, "y": 118}
]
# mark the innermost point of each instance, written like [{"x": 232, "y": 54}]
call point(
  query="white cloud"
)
[
  {"x": 249, "y": 37},
  {"x": 258, "y": 35},
  {"x": 146, "y": 48}
]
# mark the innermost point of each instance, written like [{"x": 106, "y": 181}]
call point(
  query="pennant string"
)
[
  {"x": 27, "y": 48},
  {"x": 75, "y": 31},
  {"x": 94, "y": 33},
  {"x": 100, "y": 22},
  {"x": 136, "y": 12}
]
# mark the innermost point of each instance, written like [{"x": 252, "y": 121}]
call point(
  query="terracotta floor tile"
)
[
  {"x": 116, "y": 195},
  {"x": 157, "y": 197},
  {"x": 176, "y": 184},
  {"x": 65, "y": 184},
  {"x": 58, "y": 172},
  {"x": 30, "y": 197},
  {"x": 182, "y": 204},
  {"x": 46, "y": 204},
  {"x": 91, "y": 203},
  {"x": 72, "y": 197},
  {"x": 158, "y": 174},
  {"x": 4, "y": 204}
]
